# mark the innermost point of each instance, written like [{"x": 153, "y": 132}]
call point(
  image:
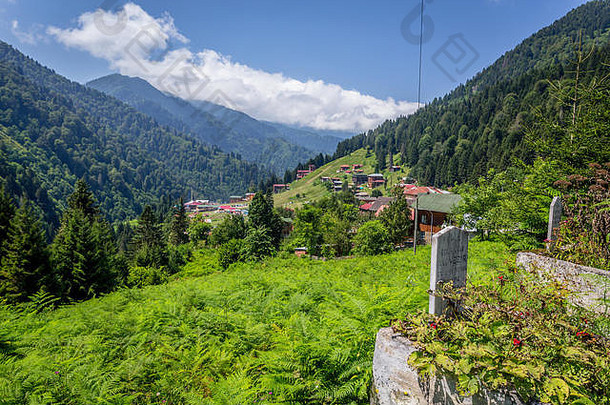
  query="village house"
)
[
  {"x": 376, "y": 180},
  {"x": 364, "y": 197},
  {"x": 249, "y": 196},
  {"x": 278, "y": 188},
  {"x": 394, "y": 169},
  {"x": 344, "y": 168},
  {"x": 411, "y": 191},
  {"x": 356, "y": 166},
  {"x": 432, "y": 212},
  {"x": 359, "y": 179},
  {"x": 300, "y": 251},
  {"x": 231, "y": 210},
  {"x": 337, "y": 185},
  {"x": 375, "y": 207},
  {"x": 198, "y": 206},
  {"x": 235, "y": 199}
]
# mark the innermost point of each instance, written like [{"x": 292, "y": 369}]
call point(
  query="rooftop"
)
[{"x": 438, "y": 202}]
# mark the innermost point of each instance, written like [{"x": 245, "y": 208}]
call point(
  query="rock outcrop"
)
[
  {"x": 396, "y": 383},
  {"x": 590, "y": 287}
]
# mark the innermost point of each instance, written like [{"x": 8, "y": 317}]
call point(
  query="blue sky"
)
[{"x": 326, "y": 64}]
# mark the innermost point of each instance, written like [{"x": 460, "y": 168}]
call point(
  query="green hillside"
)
[
  {"x": 55, "y": 131},
  {"x": 310, "y": 187},
  {"x": 482, "y": 124},
  {"x": 285, "y": 330}
]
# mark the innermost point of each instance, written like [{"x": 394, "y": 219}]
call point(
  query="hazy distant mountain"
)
[{"x": 275, "y": 146}]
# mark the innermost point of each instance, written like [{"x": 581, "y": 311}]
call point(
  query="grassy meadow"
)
[{"x": 286, "y": 330}]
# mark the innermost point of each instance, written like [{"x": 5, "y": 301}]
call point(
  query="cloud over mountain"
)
[{"x": 138, "y": 44}]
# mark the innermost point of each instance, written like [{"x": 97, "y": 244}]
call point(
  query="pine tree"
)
[
  {"x": 82, "y": 200},
  {"x": 83, "y": 250},
  {"x": 149, "y": 250},
  {"x": 178, "y": 225},
  {"x": 7, "y": 211},
  {"x": 24, "y": 267},
  {"x": 261, "y": 215}
]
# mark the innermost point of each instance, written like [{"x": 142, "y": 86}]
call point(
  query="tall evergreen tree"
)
[
  {"x": 178, "y": 225},
  {"x": 149, "y": 249},
  {"x": 82, "y": 200},
  {"x": 7, "y": 211},
  {"x": 24, "y": 268},
  {"x": 124, "y": 234},
  {"x": 83, "y": 250},
  {"x": 261, "y": 215}
]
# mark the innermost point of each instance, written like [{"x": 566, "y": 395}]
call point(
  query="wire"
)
[{"x": 421, "y": 45}]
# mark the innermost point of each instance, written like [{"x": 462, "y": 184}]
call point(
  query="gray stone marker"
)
[
  {"x": 554, "y": 218},
  {"x": 448, "y": 264}
]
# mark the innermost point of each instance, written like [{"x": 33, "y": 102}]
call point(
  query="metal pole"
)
[{"x": 415, "y": 227}]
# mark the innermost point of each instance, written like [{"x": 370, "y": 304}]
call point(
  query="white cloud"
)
[
  {"x": 32, "y": 36},
  {"x": 137, "y": 44}
]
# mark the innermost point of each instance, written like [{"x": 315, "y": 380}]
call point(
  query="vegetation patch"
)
[
  {"x": 518, "y": 333},
  {"x": 282, "y": 330}
]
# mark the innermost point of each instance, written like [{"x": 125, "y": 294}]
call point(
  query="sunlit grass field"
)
[{"x": 286, "y": 330}]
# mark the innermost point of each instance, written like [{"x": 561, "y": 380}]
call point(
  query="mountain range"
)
[
  {"x": 54, "y": 131},
  {"x": 273, "y": 146}
]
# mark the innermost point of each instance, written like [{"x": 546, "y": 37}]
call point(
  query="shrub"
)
[
  {"x": 178, "y": 256},
  {"x": 232, "y": 227},
  {"x": 199, "y": 231},
  {"x": 520, "y": 333},
  {"x": 258, "y": 244},
  {"x": 140, "y": 276},
  {"x": 230, "y": 252},
  {"x": 585, "y": 236},
  {"x": 372, "y": 239}
]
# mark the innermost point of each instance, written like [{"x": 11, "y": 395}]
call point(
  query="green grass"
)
[
  {"x": 286, "y": 330},
  {"x": 309, "y": 189}
]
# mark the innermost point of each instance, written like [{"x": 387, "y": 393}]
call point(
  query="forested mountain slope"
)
[
  {"x": 274, "y": 146},
  {"x": 481, "y": 125},
  {"x": 54, "y": 131}
]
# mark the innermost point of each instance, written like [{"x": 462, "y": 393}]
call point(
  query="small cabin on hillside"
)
[
  {"x": 432, "y": 212},
  {"x": 278, "y": 188},
  {"x": 302, "y": 173},
  {"x": 359, "y": 179},
  {"x": 375, "y": 207},
  {"x": 300, "y": 251},
  {"x": 376, "y": 180}
]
